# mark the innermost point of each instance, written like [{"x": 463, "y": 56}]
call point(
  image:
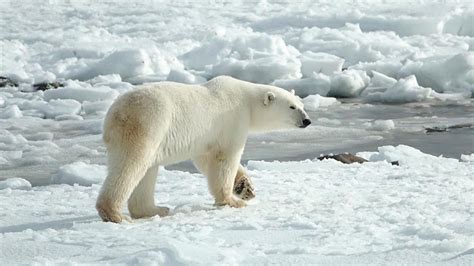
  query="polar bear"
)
[{"x": 164, "y": 123}]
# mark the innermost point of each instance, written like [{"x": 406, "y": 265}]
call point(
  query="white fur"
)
[{"x": 164, "y": 123}]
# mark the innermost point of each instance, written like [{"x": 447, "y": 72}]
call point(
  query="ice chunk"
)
[
  {"x": 351, "y": 43},
  {"x": 320, "y": 63},
  {"x": 6, "y": 137},
  {"x": 402, "y": 153},
  {"x": 255, "y": 57},
  {"x": 467, "y": 158},
  {"x": 387, "y": 66},
  {"x": 98, "y": 107},
  {"x": 53, "y": 108},
  {"x": 11, "y": 155},
  {"x": 81, "y": 92},
  {"x": 15, "y": 183},
  {"x": 40, "y": 136},
  {"x": 445, "y": 74},
  {"x": 458, "y": 22},
  {"x": 80, "y": 173},
  {"x": 127, "y": 63},
  {"x": 349, "y": 83},
  {"x": 405, "y": 90},
  {"x": 262, "y": 70},
  {"x": 316, "y": 84},
  {"x": 313, "y": 102},
  {"x": 382, "y": 125},
  {"x": 184, "y": 76},
  {"x": 381, "y": 80},
  {"x": 11, "y": 111},
  {"x": 208, "y": 54},
  {"x": 105, "y": 79}
]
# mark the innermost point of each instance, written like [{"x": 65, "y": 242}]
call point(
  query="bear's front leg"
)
[{"x": 222, "y": 169}]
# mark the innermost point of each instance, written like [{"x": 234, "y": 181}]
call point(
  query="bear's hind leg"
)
[
  {"x": 142, "y": 201},
  {"x": 124, "y": 174}
]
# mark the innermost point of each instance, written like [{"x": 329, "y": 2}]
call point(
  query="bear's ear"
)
[
  {"x": 292, "y": 92},
  {"x": 269, "y": 97}
]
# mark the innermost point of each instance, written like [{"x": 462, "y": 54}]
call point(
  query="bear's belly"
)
[{"x": 179, "y": 151}]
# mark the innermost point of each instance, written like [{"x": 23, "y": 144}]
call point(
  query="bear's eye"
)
[{"x": 292, "y": 107}]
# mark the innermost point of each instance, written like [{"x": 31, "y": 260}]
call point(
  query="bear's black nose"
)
[{"x": 306, "y": 122}]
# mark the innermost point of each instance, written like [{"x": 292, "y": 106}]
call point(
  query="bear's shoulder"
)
[{"x": 221, "y": 82}]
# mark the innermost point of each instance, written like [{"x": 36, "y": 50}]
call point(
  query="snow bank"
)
[
  {"x": 80, "y": 173},
  {"x": 15, "y": 183},
  {"x": 313, "y": 102}
]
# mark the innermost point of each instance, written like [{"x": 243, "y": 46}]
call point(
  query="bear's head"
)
[{"x": 279, "y": 109}]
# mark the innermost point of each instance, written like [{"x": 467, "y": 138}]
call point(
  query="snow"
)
[
  {"x": 302, "y": 214},
  {"x": 396, "y": 67}
]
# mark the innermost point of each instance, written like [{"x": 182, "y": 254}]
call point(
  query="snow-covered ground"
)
[
  {"x": 396, "y": 68},
  {"x": 306, "y": 212}
]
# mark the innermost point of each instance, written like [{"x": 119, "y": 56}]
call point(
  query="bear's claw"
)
[
  {"x": 234, "y": 203},
  {"x": 110, "y": 216},
  {"x": 160, "y": 211}
]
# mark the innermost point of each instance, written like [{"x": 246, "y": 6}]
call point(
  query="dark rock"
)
[
  {"x": 447, "y": 128},
  {"x": 435, "y": 129},
  {"x": 6, "y": 82},
  {"x": 466, "y": 125},
  {"x": 346, "y": 158},
  {"x": 47, "y": 86}
]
